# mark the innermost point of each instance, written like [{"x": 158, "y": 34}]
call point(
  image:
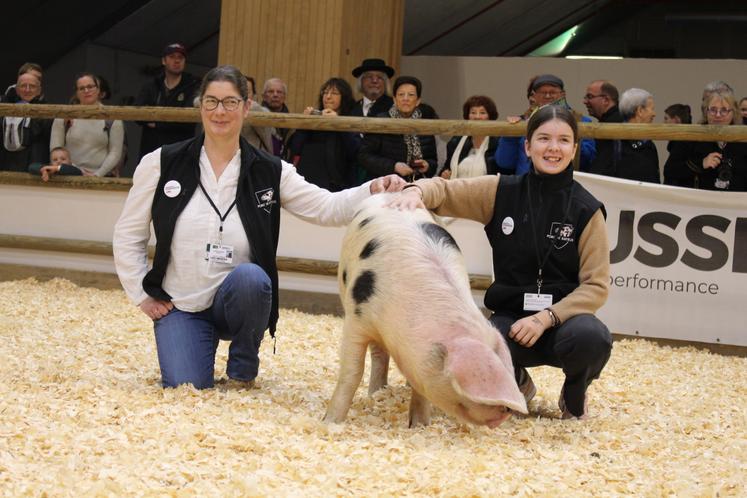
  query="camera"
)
[{"x": 725, "y": 169}]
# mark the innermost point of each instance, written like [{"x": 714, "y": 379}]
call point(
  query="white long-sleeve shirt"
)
[{"x": 190, "y": 280}]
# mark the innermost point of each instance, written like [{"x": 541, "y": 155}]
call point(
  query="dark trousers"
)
[{"x": 580, "y": 346}]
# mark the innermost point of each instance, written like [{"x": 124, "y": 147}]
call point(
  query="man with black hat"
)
[
  {"x": 545, "y": 89},
  {"x": 171, "y": 87},
  {"x": 373, "y": 82}
]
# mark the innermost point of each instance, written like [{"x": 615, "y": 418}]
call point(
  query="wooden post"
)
[{"x": 305, "y": 42}]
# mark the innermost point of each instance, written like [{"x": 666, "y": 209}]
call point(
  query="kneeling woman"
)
[
  {"x": 550, "y": 257},
  {"x": 215, "y": 206}
]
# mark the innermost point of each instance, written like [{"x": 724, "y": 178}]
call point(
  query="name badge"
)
[
  {"x": 537, "y": 302},
  {"x": 219, "y": 253}
]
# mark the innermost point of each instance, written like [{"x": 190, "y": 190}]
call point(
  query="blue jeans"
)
[{"x": 187, "y": 342}]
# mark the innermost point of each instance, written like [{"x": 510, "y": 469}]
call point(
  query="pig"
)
[{"x": 405, "y": 291}]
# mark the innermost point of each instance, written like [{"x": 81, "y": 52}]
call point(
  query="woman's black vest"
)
[
  {"x": 514, "y": 238},
  {"x": 257, "y": 202}
]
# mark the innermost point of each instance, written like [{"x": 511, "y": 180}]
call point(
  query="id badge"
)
[
  {"x": 537, "y": 302},
  {"x": 219, "y": 253}
]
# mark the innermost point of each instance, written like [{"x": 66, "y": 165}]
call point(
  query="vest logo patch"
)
[
  {"x": 561, "y": 234},
  {"x": 266, "y": 199}
]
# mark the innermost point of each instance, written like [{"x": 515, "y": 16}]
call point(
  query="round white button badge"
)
[
  {"x": 508, "y": 225},
  {"x": 172, "y": 188}
]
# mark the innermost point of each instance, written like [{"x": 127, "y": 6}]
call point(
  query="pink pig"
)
[{"x": 405, "y": 291}]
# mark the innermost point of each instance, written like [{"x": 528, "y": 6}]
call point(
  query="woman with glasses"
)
[
  {"x": 409, "y": 156},
  {"x": 214, "y": 202},
  {"x": 472, "y": 155},
  {"x": 96, "y": 145},
  {"x": 327, "y": 158},
  {"x": 711, "y": 165}
]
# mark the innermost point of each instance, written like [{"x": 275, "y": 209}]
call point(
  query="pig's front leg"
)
[
  {"x": 379, "y": 368},
  {"x": 420, "y": 410},
  {"x": 352, "y": 362}
]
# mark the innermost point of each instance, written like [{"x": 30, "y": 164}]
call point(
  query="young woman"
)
[
  {"x": 327, "y": 158},
  {"x": 97, "y": 145},
  {"x": 550, "y": 256},
  {"x": 215, "y": 206}
]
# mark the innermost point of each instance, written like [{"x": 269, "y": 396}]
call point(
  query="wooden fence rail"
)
[{"x": 702, "y": 133}]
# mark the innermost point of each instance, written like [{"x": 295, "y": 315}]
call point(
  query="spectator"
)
[
  {"x": 638, "y": 158},
  {"x": 743, "y": 109},
  {"x": 10, "y": 94},
  {"x": 327, "y": 158},
  {"x": 171, "y": 87},
  {"x": 259, "y": 136},
  {"x": 373, "y": 81},
  {"x": 472, "y": 155},
  {"x": 96, "y": 144},
  {"x": 61, "y": 164},
  {"x": 511, "y": 156},
  {"x": 274, "y": 94},
  {"x": 24, "y": 140},
  {"x": 410, "y": 156},
  {"x": 197, "y": 297},
  {"x": 711, "y": 165},
  {"x": 601, "y": 100},
  {"x": 546, "y": 230},
  {"x": 678, "y": 114}
]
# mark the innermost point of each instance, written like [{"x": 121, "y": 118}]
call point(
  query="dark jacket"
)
[
  {"x": 35, "y": 139},
  {"x": 684, "y": 167},
  {"x": 639, "y": 160},
  {"x": 154, "y": 93},
  {"x": 608, "y": 151},
  {"x": 492, "y": 167},
  {"x": 326, "y": 158},
  {"x": 381, "y": 105},
  {"x": 543, "y": 231},
  {"x": 379, "y": 153},
  {"x": 259, "y": 212}
]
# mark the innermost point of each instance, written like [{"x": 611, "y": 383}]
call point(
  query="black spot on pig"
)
[
  {"x": 363, "y": 288},
  {"x": 365, "y": 222},
  {"x": 344, "y": 277},
  {"x": 438, "y": 234},
  {"x": 369, "y": 249}
]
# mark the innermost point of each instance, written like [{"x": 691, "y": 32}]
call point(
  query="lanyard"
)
[
  {"x": 215, "y": 208},
  {"x": 541, "y": 261}
]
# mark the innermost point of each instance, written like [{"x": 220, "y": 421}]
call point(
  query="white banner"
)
[{"x": 679, "y": 261}]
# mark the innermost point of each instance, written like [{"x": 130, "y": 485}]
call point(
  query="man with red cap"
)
[{"x": 171, "y": 87}]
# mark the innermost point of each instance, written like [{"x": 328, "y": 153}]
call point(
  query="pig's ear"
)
[{"x": 479, "y": 374}]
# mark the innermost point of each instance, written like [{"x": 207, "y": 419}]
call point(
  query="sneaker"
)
[
  {"x": 565, "y": 414},
  {"x": 526, "y": 385}
]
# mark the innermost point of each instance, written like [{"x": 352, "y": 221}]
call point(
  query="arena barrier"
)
[{"x": 678, "y": 255}]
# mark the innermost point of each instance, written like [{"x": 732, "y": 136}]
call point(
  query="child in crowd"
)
[{"x": 61, "y": 163}]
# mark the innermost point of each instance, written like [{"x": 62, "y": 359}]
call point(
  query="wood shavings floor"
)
[{"x": 82, "y": 414}]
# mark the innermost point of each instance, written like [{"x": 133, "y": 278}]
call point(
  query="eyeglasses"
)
[
  {"x": 589, "y": 96},
  {"x": 87, "y": 88},
  {"x": 229, "y": 103},
  {"x": 550, "y": 94},
  {"x": 28, "y": 86},
  {"x": 719, "y": 111}
]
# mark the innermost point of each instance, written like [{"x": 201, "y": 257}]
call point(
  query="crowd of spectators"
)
[{"x": 337, "y": 160}]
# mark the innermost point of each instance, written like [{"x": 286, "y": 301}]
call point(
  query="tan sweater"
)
[{"x": 474, "y": 199}]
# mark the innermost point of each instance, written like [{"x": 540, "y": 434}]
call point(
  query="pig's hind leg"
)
[
  {"x": 352, "y": 362},
  {"x": 379, "y": 368}
]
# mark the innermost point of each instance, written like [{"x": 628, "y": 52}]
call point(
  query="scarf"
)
[
  {"x": 15, "y": 131},
  {"x": 411, "y": 141}
]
